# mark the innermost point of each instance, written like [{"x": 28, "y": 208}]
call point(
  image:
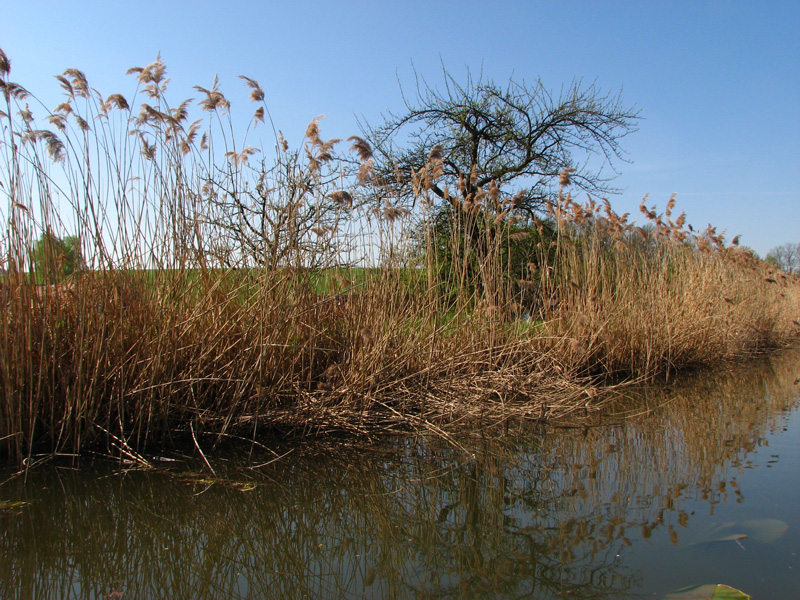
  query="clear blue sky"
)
[{"x": 717, "y": 83}]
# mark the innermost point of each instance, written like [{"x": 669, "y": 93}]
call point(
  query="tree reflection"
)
[{"x": 531, "y": 512}]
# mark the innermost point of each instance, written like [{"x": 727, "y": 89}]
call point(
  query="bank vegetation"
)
[{"x": 165, "y": 280}]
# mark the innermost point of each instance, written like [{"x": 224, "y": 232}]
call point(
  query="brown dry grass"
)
[{"x": 201, "y": 308}]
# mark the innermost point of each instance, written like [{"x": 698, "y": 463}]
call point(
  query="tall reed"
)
[{"x": 231, "y": 288}]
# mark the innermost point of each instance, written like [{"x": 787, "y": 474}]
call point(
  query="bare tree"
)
[
  {"x": 786, "y": 256},
  {"x": 517, "y": 137},
  {"x": 282, "y": 214}
]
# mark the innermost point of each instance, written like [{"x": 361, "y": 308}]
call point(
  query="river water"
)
[{"x": 699, "y": 483}]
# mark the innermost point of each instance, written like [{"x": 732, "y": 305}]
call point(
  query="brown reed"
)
[{"x": 229, "y": 288}]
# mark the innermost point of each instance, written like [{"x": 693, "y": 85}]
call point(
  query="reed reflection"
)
[{"x": 525, "y": 511}]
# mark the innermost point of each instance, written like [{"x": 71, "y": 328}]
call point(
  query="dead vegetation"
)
[{"x": 222, "y": 294}]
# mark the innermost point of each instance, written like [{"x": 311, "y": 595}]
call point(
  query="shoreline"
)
[{"x": 231, "y": 359}]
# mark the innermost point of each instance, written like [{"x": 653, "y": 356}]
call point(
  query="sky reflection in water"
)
[{"x": 610, "y": 512}]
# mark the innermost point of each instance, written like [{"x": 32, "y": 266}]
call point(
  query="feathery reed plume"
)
[
  {"x": 500, "y": 217},
  {"x": 214, "y": 99},
  {"x": 435, "y": 153},
  {"x": 150, "y": 114},
  {"x": 393, "y": 213},
  {"x": 462, "y": 185},
  {"x": 365, "y": 172},
  {"x": 117, "y": 100},
  {"x": 148, "y": 150},
  {"x": 494, "y": 194},
  {"x": 321, "y": 231},
  {"x": 26, "y": 115},
  {"x": 435, "y": 167},
  {"x": 13, "y": 90},
  {"x": 65, "y": 108},
  {"x": 565, "y": 177},
  {"x": 54, "y": 146},
  {"x": 361, "y": 147},
  {"x": 79, "y": 83},
  {"x": 66, "y": 85},
  {"x": 324, "y": 153},
  {"x": 58, "y": 121},
  {"x": 5, "y": 63},
  {"x": 245, "y": 154},
  {"x": 342, "y": 198},
  {"x": 313, "y": 164},
  {"x": 151, "y": 74},
  {"x": 312, "y": 131},
  {"x": 256, "y": 94},
  {"x": 180, "y": 114},
  {"x": 670, "y": 205},
  {"x": 473, "y": 176},
  {"x": 648, "y": 212},
  {"x": 191, "y": 133}
]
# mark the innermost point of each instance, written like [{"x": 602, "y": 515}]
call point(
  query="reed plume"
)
[{"x": 217, "y": 286}]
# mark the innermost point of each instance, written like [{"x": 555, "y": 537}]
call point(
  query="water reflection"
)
[{"x": 545, "y": 514}]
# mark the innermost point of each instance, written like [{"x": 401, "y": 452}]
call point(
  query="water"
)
[{"x": 632, "y": 509}]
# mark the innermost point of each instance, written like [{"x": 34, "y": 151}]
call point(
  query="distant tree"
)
[
  {"x": 786, "y": 256},
  {"x": 56, "y": 258}
]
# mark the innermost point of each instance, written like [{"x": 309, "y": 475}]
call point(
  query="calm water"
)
[{"x": 631, "y": 511}]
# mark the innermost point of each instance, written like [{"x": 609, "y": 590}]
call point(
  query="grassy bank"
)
[{"x": 225, "y": 293}]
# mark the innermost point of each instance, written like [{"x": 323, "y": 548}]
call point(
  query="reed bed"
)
[
  {"x": 235, "y": 289},
  {"x": 514, "y": 510}
]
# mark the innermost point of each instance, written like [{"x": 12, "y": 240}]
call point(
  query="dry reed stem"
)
[{"x": 214, "y": 300}]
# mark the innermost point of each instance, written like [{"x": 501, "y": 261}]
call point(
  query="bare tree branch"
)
[{"x": 519, "y": 136}]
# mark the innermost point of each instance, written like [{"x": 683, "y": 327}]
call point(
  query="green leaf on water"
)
[{"x": 707, "y": 592}]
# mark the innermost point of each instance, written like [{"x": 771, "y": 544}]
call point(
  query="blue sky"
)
[{"x": 717, "y": 83}]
